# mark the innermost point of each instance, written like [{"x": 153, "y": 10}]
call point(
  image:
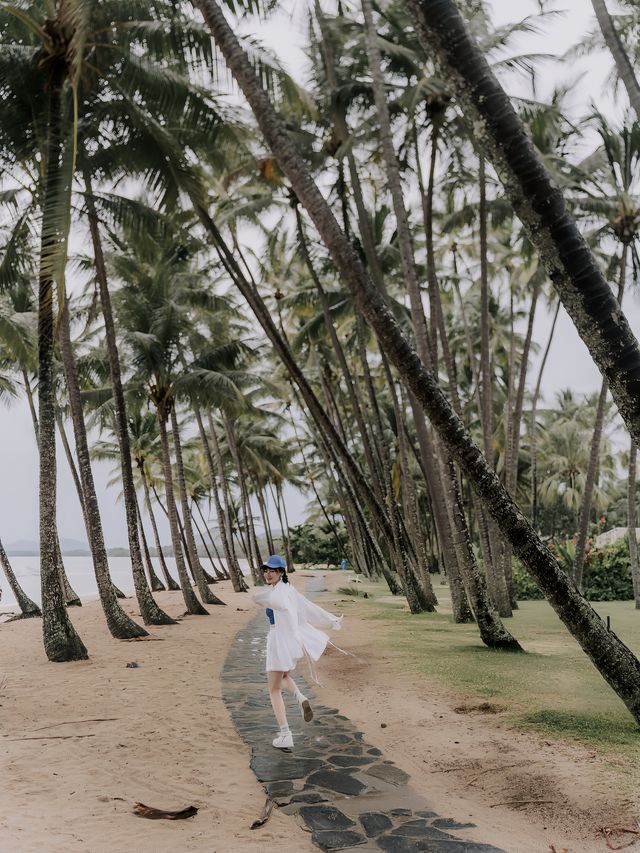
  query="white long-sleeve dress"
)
[{"x": 295, "y": 623}]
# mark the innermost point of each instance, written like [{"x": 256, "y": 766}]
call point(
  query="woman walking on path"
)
[{"x": 293, "y": 634}]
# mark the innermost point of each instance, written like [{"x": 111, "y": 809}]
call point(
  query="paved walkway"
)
[{"x": 350, "y": 797}]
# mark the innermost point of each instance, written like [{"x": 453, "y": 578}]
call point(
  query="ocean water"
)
[{"x": 81, "y": 575}]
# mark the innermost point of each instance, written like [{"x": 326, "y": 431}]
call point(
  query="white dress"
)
[{"x": 294, "y": 632}]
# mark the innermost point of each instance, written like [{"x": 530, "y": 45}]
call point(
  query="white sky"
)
[{"x": 569, "y": 364}]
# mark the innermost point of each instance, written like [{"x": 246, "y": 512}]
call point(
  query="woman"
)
[{"x": 291, "y": 636}]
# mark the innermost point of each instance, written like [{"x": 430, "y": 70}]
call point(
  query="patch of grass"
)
[
  {"x": 553, "y": 687},
  {"x": 597, "y": 729}
]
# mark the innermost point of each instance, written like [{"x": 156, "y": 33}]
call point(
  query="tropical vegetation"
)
[{"x": 331, "y": 284}]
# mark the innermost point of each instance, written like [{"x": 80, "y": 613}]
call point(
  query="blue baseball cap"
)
[{"x": 275, "y": 561}]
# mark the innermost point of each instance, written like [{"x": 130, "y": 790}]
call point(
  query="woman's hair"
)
[{"x": 283, "y": 576}]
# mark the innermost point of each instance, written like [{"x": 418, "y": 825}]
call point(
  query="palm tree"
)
[
  {"x": 613, "y": 659},
  {"x": 119, "y": 623},
  {"x": 153, "y": 308},
  {"x": 28, "y": 608},
  {"x": 624, "y": 68},
  {"x": 632, "y": 516}
]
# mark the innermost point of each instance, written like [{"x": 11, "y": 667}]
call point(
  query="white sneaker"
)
[
  {"x": 305, "y": 709},
  {"x": 283, "y": 741}
]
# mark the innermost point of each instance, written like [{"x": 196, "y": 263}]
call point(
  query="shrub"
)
[
  {"x": 311, "y": 543},
  {"x": 526, "y": 588},
  {"x": 607, "y": 574}
]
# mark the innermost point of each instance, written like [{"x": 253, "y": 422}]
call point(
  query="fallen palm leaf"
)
[
  {"x": 266, "y": 814},
  {"x": 156, "y": 814}
]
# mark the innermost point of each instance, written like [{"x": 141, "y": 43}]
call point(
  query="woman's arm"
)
[
  {"x": 315, "y": 615},
  {"x": 271, "y": 596}
]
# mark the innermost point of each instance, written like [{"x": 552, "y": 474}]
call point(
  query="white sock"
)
[
  {"x": 285, "y": 730},
  {"x": 300, "y": 697}
]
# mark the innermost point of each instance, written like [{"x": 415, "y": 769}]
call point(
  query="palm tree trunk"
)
[
  {"x": 624, "y": 68},
  {"x": 312, "y": 483},
  {"x": 349, "y": 485},
  {"x": 154, "y": 580},
  {"x": 341, "y": 359},
  {"x": 256, "y": 559},
  {"x": 281, "y": 511},
  {"x": 28, "y": 608},
  {"x": 497, "y": 587},
  {"x": 29, "y": 394},
  {"x": 169, "y": 580},
  {"x": 262, "y": 506},
  {"x": 193, "y": 605},
  {"x": 594, "y": 456},
  {"x": 223, "y": 513},
  {"x": 632, "y": 521},
  {"x": 590, "y": 481},
  {"x": 492, "y": 634},
  {"x": 495, "y": 573},
  {"x": 151, "y": 613},
  {"x": 218, "y": 573},
  {"x": 61, "y": 642},
  {"x": 71, "y": 597},
  {"x": 408, "y": 491},
  {"x": 616, "y": 663},
  {"x": 76, "y": 481},
  {"x": 121, "y": 626},
  {"x": 205, "y": 593},
  {"x": 533, "y": 432},
  {"x": 538, "y": 203}
]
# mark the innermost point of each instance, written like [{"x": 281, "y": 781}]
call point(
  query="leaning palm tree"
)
[{"x": 28, "y": 608}]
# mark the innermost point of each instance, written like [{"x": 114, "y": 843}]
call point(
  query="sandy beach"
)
[{"x": 80, "y": 743}]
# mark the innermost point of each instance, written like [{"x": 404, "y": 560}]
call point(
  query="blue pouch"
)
[{"x": 270, "y": 616}]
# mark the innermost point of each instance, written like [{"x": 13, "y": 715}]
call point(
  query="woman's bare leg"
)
[
  {"x": 289, "y": 684},
  {"x": 274, "y": 680}
]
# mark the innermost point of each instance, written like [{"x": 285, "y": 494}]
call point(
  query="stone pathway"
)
[{"x": 348, "y": 795}]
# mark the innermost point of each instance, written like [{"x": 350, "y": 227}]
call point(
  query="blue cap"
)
[{"x": 275, "y": 561}]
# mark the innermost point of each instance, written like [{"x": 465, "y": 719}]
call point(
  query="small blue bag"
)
[{"x": 270, "y": 616}]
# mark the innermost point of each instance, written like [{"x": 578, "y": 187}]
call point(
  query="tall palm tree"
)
[
  {"x": 153, "y": 306},
  {"x": 119, "y": 623}
]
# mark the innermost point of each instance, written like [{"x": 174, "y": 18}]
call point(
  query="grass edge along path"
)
[{"x": 552, "y": 689}]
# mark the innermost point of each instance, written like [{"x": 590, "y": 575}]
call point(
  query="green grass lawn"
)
[{"x": 554, "y": 687}]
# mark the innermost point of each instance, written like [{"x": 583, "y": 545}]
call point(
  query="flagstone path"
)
[{"x": 346, "y": 792}]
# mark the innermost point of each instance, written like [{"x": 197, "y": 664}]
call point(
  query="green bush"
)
[
  {"x": 526, "y": 588},
  {"x": 316, "y": 545},
  {"x": 607, "y": 574}
]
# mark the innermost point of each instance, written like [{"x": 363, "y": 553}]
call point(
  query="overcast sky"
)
[{"x": 569, "y": 365}]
